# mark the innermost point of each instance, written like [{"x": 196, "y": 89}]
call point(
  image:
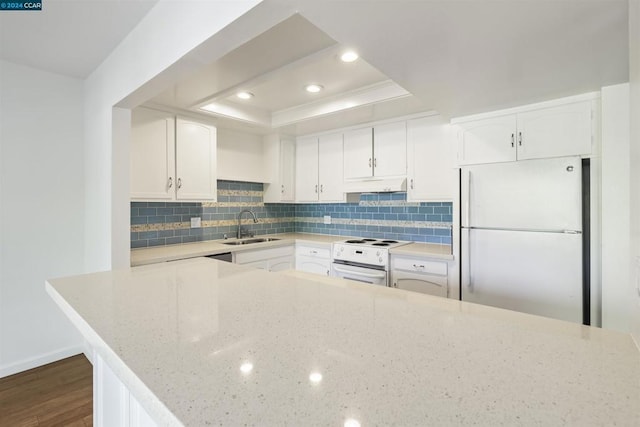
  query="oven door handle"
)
[{"x": 359, "y": 273}]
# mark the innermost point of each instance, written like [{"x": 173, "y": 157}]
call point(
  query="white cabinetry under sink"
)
[
  {"x": 553, "y": 129},
  {"x": 270, "y": 259},
  {"x": 319, "y": 169},
  {"x": 171, "y": 159}
]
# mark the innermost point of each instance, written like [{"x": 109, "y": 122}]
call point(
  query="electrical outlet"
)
[
  {"x": 327, "y": 219},
  {"x": 196, "y": 222}
]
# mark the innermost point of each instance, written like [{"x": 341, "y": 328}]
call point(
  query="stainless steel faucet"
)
[{"x": 255, "y": 221}]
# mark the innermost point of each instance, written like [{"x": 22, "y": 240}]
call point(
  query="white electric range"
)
[{"x": 364, "y": 260}]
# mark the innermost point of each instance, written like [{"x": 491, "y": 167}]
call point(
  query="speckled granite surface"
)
[{"x": 221, "y": 344}]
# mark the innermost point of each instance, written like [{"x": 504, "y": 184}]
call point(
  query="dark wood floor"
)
[{"x": 58, "y": 394}]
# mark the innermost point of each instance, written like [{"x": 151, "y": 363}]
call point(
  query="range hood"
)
[{"x": 373, "y": 185}]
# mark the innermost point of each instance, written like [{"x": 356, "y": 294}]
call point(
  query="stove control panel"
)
[{"x": 361, "y": 254}]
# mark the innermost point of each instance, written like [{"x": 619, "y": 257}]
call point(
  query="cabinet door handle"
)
[
  {"x": 282, "y": 190},
  {"x": 179, "y": 183},
  {"x": 520, "y": 139},
  {"x": 395, "y": 285},
  {"x": 321, "y": 188},
  {"x": 375, "y": 163},
  {"x": 369, "y": 161},
  {"x": 512, "y": 140},
  {"x": 411, "y": 185},
  {"x": 170, "y": 181},
  {"x": 316, "y": 188}
]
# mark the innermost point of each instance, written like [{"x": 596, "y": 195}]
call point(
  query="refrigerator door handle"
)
[
  {"x": 467, "y": 200},
  {"x": 466, "y": 263}
]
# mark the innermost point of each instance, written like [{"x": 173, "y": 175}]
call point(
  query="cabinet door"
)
[
  {"x": 260, "y": 265},
  {"x": 195, "y": 161},
  {"x": 313, "y": 265},
  {"x": 152, "y": 155},
  {"x": 358, "y": 153},
  {"x": 390, "y": 150},
  {"x": 423, "y": 283},
  {"x": 287, "y": 169},
  {"x": 281, "y": 264},
  {"x": 330, "y": 168},
  {"x": 487, "y": 141},
  {"x": 307, "y": 170},
  {"x": 430, "y": 160},
  {"x": 555, "y": 132}
]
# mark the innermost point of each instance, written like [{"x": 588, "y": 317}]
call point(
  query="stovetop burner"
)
[
  {"x": 379, "y": 243},
  {"x": 364, "y": 252}
]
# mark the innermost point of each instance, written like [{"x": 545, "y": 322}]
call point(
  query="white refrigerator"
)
[{"x": 521, "y": 232}]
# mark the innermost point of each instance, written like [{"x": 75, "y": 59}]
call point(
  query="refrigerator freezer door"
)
[
  {"x": 532, "y": 272},
  {"x": 540, "y": 194}
]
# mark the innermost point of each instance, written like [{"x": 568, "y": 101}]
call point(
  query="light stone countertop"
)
[
  {"x": 428, "y": 250},
  {"x": 178, "y": 333},
  {"x": 152, "y": 255}
]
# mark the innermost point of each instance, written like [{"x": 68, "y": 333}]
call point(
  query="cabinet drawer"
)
[
  {"x": 312, "y": 251},
  {"x": 419, "y": 266},
  {"x": 244, "y": 257}
]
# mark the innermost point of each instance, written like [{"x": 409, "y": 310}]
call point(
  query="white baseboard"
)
[{"x": 44, "y": 359}]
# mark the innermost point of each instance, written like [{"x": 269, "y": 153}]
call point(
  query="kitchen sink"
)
[{"x": 250, "y": 241}]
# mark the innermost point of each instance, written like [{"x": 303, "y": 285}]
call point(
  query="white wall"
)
[
  {"x": 634, "y": 80},
  {"x": 41, "y": 212},
  {"x": 240, "y": 156},
  {"x": 616, "y": 220}
]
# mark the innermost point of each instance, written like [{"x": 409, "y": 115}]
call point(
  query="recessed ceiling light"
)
[
  {"x": 244, "y": 95},
  {"x": 349, "y": 56},
  {"x": 313, "y": 88}
]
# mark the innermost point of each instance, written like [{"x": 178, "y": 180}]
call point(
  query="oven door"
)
[{"x": 360, "y": 274}]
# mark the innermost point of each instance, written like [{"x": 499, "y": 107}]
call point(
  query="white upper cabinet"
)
[
  {"x": 307, "y": 170},
  {"x": 171, "y": 159},
  {"x": 330, "y": 168},
  {"x": 487, "y": 141},
  {"x": 152, "y": 161},
  {"x": 195, "y": 161},
  {"x": 430, "y": 160},
  {"x": 358, "y": 153},
  {"x": 279, "y": 158},
  {"x": 319, "y": 169},
  {"x": 533, "y": 133},
  {"x": 559, "y": 131},
  {"x": 390, "y": 150},
  {"x": 378, "y": 152}
]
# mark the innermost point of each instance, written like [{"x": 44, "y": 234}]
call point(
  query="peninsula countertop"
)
[
  {"x": 203, "y": 342},
  {"x": 157, "y": 254}
]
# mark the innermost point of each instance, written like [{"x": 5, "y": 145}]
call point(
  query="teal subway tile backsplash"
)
[{"x": 384, "y": 215}]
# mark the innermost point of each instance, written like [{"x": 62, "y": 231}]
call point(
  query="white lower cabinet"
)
[
  {"x": 271, "y": 259},
  {"x": 313, "y": 259},
  {"x": 420, "y": 275},
  {"x": 114, "y": 405}
]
